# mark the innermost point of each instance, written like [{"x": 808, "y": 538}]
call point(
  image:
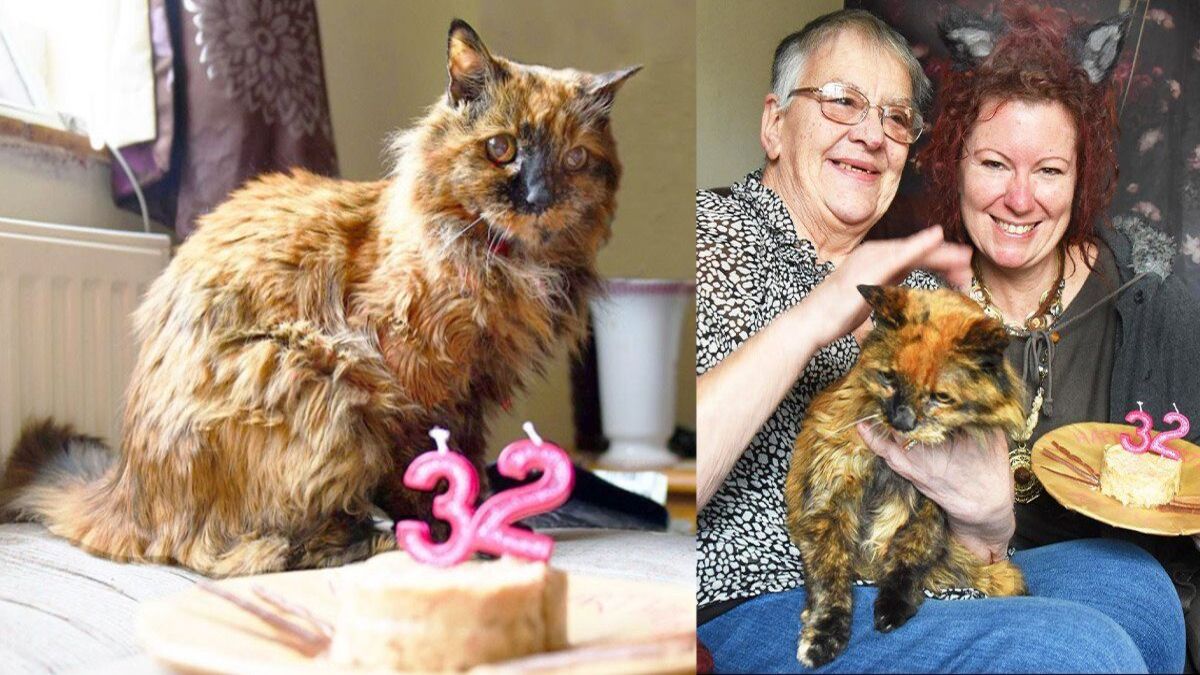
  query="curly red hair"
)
[{"x": 1029, "y": 63}]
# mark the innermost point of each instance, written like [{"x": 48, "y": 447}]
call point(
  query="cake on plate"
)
[
  {"x": 1146, "y": 479},
  {"x": 397, "y": 613}
]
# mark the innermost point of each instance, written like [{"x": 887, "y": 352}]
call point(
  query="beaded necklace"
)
[{"x": 1026, "y": 485}]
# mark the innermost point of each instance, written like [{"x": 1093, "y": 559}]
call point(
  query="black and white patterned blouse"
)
[{"x": 750, "y": 267}]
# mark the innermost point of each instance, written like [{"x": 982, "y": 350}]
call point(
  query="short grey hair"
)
[{"x": 793, "y": 52}]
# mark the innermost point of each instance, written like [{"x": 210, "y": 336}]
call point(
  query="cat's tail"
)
[
  {"x": 999, "y": 579},
  {"x": 56, "y": 477}
]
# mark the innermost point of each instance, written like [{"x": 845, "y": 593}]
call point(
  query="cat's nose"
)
[
  {"x": 530, "y": 189},
  {"x": 901, "y": 416},
  {"x": 537, "y": 196}
]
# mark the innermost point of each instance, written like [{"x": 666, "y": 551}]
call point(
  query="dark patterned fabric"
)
[
  {"x": 750, "y": 267},
  {"x": 1158, "y": 84},
  {"x": 240, "y": 91}
]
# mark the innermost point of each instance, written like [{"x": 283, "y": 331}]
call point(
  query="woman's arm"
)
[{"x": 735, "y": 397}]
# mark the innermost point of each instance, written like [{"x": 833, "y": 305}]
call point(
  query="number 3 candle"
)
[
  {"x": 1145, "y": 423},
  {"x": 452, "y": 506},
  {"x": 490, "y": 528}
]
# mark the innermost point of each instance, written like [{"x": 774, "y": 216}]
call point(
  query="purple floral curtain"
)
[
  {"x": 240, "y": 91},
  {"x": 1158, "y": 84}
]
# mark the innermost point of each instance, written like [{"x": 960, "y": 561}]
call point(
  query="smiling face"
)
[
  {"x": 840, "y": 176},
  {"x": 1018, "y": 181}
]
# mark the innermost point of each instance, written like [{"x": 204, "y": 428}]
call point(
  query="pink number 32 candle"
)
[
  {"x": 490, "y": 528},
  {"x": 1156, "y": 443}
]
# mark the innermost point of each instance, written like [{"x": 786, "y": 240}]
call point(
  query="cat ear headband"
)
[
  {"x": 971, "y": 38},
  {"x": 471, "y": 67}
]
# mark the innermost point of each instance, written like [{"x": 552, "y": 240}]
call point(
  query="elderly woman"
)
[{"x": 777, "y": 263}]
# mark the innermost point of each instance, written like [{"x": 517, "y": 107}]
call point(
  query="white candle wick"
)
[
  {"x": 1176, "y": 409},
  {"x": 1140, "y": 406},
  {"x": 533, "y": 435},
  {"x": 441, "y": 437}
]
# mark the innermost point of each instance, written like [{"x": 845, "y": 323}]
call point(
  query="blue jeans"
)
[{"x": 1094, "y": 606}]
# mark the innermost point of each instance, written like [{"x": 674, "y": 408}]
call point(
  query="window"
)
[{"x": 83, "y": 67}]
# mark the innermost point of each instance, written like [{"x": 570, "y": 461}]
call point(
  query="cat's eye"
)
[
  {"x": 942, "y": 398},
  {"x": 502, "y": 148},
  {"x": 576, "y": 158}
]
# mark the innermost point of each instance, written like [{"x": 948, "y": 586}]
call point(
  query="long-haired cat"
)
[
  {"x": 301, "y": 344},
  {"x": 932, "y": 367}
]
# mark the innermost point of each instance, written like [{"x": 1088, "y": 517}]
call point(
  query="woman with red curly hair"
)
[{"x": 1022, "y": 165}]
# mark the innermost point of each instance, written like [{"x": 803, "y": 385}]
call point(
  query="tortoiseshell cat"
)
[
  {"x": 300, "y": 345},
  {"x": 932, "y": 367}
]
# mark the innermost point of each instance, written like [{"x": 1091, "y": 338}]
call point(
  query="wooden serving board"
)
[{"x": 197, "y": 631}]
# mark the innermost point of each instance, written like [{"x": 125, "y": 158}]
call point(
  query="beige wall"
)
[
  {"x": 734, "y": 45},
  {"x": 51, "y": 185}
]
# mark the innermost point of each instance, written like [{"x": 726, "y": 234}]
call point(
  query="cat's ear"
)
[
  {"x": 888, "y": 303},
  {"x": 469, "y": 63},
  {"x": 603, "y": 87},
  {"x": 1097, "y": 48},
  {"x": 985, "y": 342},
  {"x": 969, "y": 36}
]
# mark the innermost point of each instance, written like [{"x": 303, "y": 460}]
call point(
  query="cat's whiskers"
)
[
  {"x": 868, "y": 417},
  {"x": 492, "y": 244},
  {"x": 447, "y": 243},
  {"x": 878, "y": 427},
  {"x": 507, "y": 236}
]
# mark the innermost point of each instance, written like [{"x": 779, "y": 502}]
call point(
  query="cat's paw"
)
[
  {"x": 823, "y": 641},
  {"x": 893, "y": 610}
]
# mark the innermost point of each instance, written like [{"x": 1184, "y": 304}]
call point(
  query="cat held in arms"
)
[
  {"x": 299, "y": 347},
  {"x": 932, "y": 367}
]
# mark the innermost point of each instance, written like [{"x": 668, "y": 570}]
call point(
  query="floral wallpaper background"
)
[{"x": 1158, "y": 85}]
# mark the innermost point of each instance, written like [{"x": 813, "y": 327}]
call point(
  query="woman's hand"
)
[
  {"x": 842, "y": 308},
  {"x": 972, "y": 483}
]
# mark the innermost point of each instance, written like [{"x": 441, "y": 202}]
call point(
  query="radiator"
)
[{"x": 66, "y": 339}]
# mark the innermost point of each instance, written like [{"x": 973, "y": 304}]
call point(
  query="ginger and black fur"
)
[
  {"x": 303, "y": 341},
  {"x": 932, "y": 367}
]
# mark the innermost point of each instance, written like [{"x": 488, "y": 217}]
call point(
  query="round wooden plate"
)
[
  {"x": 1087, "y": 441},
  {"x": 197, "y": 631}
]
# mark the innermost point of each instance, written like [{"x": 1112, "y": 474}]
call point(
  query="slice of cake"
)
[
  {"x": 397, "y": 613},
  {"x": 1145, "y": 479}
]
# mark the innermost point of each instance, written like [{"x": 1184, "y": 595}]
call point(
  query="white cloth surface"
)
[{"x": 64, "y": 610}]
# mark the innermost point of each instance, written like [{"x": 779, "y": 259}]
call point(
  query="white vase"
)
[{"x": 637, "y": 329}]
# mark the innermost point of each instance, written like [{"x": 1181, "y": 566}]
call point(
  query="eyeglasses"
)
[{"x": 844, "y": 104}]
